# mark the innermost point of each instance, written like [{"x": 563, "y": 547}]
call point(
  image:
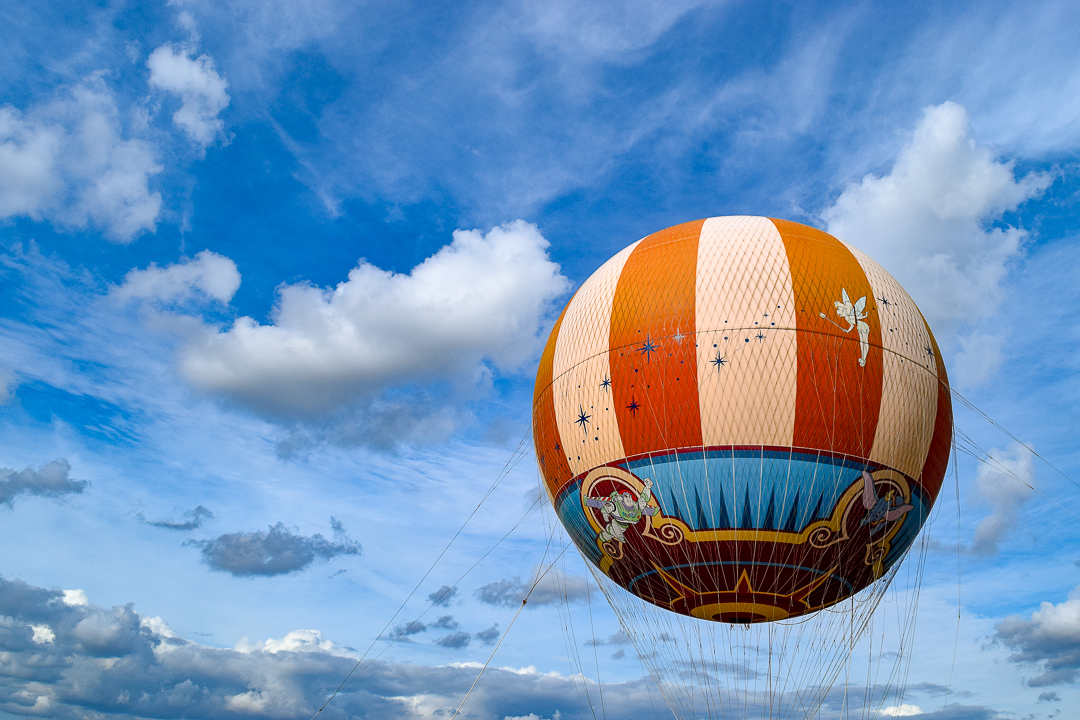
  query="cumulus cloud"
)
[
  {"x": 69, "y": 163},
  {"x": 482, "y": 299},
  {"x": 555, "y": 586},
  {"x": 50, "y": 480},
  {"x": 446, "y": 622},
  {"x": 206, "y": 275},
  {"x": 934, "y": 220},
  {"x": 443, "y": 596},
  {"x": 455, "y": 641},
  {"x": 274, "y": 552},
  {"x": 488, "y": 636},
  {"x": 1001, "y": 484},
  {"x": 201, "y": 90},
  {"x": 1048, "y": 640},
  {"x": 195, "y": 520},
  {"x": 903, "y": 710}
]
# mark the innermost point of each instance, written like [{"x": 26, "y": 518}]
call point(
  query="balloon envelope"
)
[{"x": 742, "y": 419}]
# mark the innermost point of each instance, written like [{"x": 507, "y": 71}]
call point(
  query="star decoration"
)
[
  {"x": 719, "y": 361},
  {"x": 648, "y": 348},
  {"x": 678, "y": 336},
  {"x": 884, "y": 301},
  {"x": 929, "y": 351},
  {"x": 633, "y": 406},
  {"x": 606, "y": 384},
  {"x": 759, "y": 336},
  {"x": 582, "y": 419}
]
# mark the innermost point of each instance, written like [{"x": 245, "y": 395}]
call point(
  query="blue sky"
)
[{"x": 275, "y": 277}]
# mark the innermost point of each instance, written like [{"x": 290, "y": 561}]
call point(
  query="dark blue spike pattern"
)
[{"x": 747, "y": 489}]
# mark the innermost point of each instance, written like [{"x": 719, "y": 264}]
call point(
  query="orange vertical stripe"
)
[
  {"x": 937, "y": 459},
  {"x": 653, "y": 354},
  {"x": 836, "y": 400},
  {"x": 549, "y": 451}
]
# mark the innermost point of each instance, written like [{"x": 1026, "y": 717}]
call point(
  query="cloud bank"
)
[{"x": 65, "y": 657}]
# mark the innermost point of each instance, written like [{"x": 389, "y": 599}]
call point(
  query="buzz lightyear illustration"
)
[
  {"x": 853, "y": 314},
  {"x": 621, "y": 510}
]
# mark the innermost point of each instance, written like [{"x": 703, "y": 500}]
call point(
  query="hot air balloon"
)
[{"x": 743, "y": 420}]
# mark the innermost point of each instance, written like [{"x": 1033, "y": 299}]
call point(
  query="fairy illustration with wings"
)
[{"x": 854, "y": 315}]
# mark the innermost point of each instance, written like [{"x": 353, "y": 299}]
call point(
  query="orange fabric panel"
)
[
  {"x": 937, "y": 459},
  {"x": 653, "y": 354},
  {"x": 836, "y": 401},
  {"x": 549, "y": 451}
]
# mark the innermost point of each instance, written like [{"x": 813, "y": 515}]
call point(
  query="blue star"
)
[
  {"x": 648, "y": 348},
  {"x": 633, "y": 406},
  {"x": 719, "y": 361},
  {"x": 929, "y": 351},
  {"x": 606, "y": 383},
  {"x": 884, "y": 301},
  {"x": 582, "y": 419},
  {"x": 759, "y": 336},
  {"x": 558, "y": 447},
  {"x": 678, "y": 336}
]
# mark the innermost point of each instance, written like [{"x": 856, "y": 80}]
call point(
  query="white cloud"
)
[
  {"x": 295, "y": 641},
  {"x": 68, "y": 162},
  {"x": 926, "y": 221},
  {"x": 202, "y": 91},
  {"x": 483, "y": 298},
  {"x": 75, "y": 597},
  {"x": 42, "y": 634},
  {"x": 1050, "y": 638},
  {"x": 904, "y": 710},
  {"x": 207, "y": 274},
  {"x": 998, "y": 485}
]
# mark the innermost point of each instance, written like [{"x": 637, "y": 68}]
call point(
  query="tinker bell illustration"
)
[
  {"x": 854, "y": 315},
  {"x": 883, "y": 509}
]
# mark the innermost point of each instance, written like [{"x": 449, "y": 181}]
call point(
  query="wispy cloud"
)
[
  {"x": 195, "y": 520},
  {"x": 554, "y": 586},
  {"x": 1003, "y": 482}
]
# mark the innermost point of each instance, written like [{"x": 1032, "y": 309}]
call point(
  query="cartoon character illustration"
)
[
  {"x": 880, "y": 510},
  {"x": 621, "y": 510},
  {"x": 854, "y": 315}
]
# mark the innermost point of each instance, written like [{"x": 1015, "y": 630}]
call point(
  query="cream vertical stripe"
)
[
  {"x": 584, "y": 413},
  {"x": 909, "y": 389},
  {"x": 746, "y": 337}
]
